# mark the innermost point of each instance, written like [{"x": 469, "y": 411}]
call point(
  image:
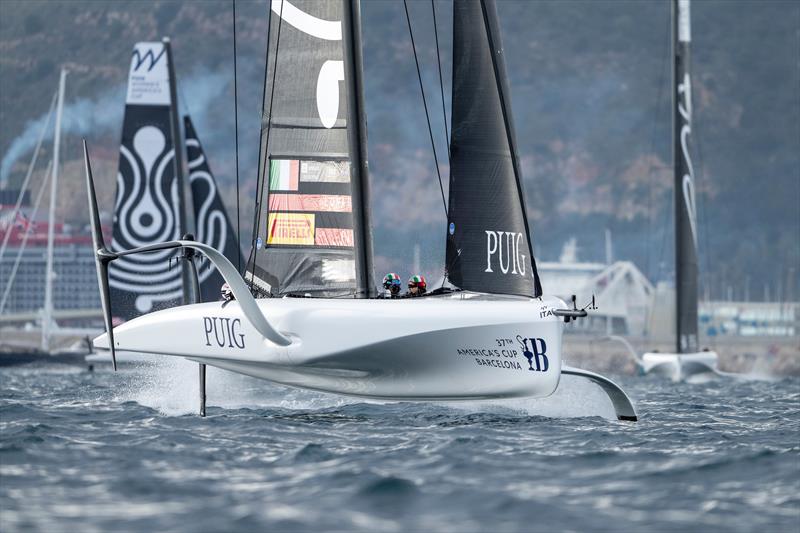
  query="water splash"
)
[
  {"x": 574, "y": 398},
  {"x": 170, "y": 386}
]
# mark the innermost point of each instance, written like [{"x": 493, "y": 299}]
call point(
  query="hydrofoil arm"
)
[
  {"x": 103, "y": 257},
  {"x": 622, "y": 404}
]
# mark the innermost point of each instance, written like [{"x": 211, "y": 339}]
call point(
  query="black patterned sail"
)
[
  {"x": 488, "y": 241},
  {"x": 211, "y": 222},
  {"x": 686, "y": 271},
  {"x": 149, "y": 203},
  {"x": 311, "y": 230}
]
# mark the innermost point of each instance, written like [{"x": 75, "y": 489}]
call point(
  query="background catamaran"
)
[
  {"x": 494, "y": 336},
  {"x": 687, "y": 360},
  {"x": 150, "y": 206}
]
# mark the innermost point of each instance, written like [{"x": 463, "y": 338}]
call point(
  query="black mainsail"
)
[
  {"x": 312, "y": 234},
  {"x": 488, "y": 239},
  {"x": 149, "y": 204},
  {"x": 211, "y": 222},
  {"x": 686, "y": 270}
]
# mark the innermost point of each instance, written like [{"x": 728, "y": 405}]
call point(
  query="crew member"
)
[
  {"x": 227, "y": 293},
  {"x": 391, "y": 282},
  {"x": 417, "y": 286}
]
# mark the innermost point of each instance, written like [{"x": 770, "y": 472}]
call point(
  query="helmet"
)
[
  {"x": 417, "y": 282},
  {"x": 227, "y": 293},
  {"x": 391, "y": 280}
]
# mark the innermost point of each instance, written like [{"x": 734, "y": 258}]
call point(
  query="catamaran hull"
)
[
  {"x": 680, "y": 367},
  {"x": 418, "y": 349}
]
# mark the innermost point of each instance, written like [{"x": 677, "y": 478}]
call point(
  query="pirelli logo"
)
[{"x": 291, "y": 228}]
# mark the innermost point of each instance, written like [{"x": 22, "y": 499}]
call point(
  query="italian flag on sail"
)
[{"x": 284, "y": 174}]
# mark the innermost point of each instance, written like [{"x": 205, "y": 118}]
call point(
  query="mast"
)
[
  {"x": 177, "y": 163},
  {"x": 357, "y": 137},
  {"x": 686, "y": 269},
  {"x": 47, "y": 311}
]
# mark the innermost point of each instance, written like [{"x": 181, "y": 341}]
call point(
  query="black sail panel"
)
[
  {"x": 211, "y": 221},
  {"x": 148, "y": 200},
  {"x": 686, "y": 269},
  {"x": 309, "y": 232},
  {"x": 488, "y": 242}
]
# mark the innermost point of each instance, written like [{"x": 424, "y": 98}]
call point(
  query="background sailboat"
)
[
  {"x": 150, "y": 205},
  {"x": 687, "y": 360}
]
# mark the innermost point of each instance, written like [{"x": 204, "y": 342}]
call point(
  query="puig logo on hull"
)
[{"x": 223, "y": 331}]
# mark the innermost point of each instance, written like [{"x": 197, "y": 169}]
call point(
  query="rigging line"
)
[
  {"x": 257, "y": 203},
  {"x": 499, "y": 82},
  {"x": 671, "y": 166},
  {"x": 29, "y": 172},
  {"x": 13, "y": 274},
  {"x": 425, "y": 105},
  {"x": 265, "y": 154},
  {"x": 701, "y": 170},
  {"x": 441, "y": 83},
  {"x": 660, "y": 95},
  {"x": 236, "y": 141}
]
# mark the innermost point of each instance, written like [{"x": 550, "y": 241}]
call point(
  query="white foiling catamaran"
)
[
  {"x": 688, "y": 361},
  {"x": 316, "y": 321}
]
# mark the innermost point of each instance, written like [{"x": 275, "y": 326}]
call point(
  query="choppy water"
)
[{"x": 125, "y": 451}]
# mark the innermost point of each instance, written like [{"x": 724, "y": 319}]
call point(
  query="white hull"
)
[
  {"x": 432, "y": 348},
  {"x": 680, "y": 367}
]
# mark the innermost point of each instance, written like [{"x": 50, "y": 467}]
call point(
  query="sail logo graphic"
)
[
  {"x": 332, "y": 71},
  {"x": 504, "y": 250},
  {"x": 148, "y": 77},
  {"x": 146, "y": 212},
  {"x": 687, "y": 182},
  {"x": 536, "y": 353},
  {"x": 140, "y": 59}
]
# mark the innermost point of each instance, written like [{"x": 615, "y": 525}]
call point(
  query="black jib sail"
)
[
  {"x": 211, "y": 222},
  {"x": 686, "y": 270},
  {"x": 488, "y": 240},
  {"x": 149, "y": 203},
  {"x": 311, "y": 232}
]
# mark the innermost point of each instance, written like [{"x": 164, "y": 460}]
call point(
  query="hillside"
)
[{"x": 590, "y": 91}]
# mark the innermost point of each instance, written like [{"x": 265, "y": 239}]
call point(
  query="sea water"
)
[{"x": 102, "y": 451}]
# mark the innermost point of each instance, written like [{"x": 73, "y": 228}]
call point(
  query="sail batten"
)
[
  {"x": 312, "y": 234},
  {"x": 488, "y": 240}
]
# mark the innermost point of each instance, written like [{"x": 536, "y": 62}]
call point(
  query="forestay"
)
[
  {"x": 311, "y": 231},
  {"x": 488, "y": 241}
]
